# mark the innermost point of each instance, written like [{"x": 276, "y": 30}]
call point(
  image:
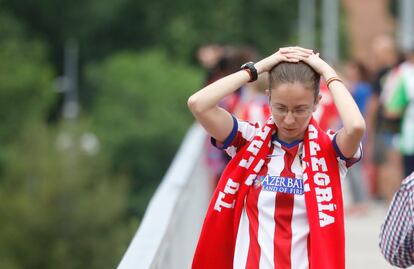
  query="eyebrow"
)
[{"x": 298, "y": 106}]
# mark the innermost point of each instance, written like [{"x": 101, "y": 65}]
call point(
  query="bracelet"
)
[{"x": 332, "y": 79}]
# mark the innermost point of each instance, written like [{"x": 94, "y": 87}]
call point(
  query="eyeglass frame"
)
[{"x": 282, "y": 111}]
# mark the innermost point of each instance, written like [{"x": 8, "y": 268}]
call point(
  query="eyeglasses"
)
[{"x": 282, "y": 111}]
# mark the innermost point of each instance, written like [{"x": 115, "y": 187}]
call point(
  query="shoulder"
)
[{"x": 408, "y": 182}]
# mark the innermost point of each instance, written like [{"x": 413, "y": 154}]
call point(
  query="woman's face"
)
[{"x": 292, "y": 105}]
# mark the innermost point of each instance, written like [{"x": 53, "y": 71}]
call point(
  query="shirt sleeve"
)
[
  {"x": 348, "y": 161},
  {"x": 399, "y": 100},
  {"x": 397, "y": 231},
  {"x": 242, "y": 133}
]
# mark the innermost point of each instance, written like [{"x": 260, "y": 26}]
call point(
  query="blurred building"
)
[{"x": 366, "y": 20}]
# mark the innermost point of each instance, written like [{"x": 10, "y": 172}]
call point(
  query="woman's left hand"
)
[{"x": 319, "y": 65}]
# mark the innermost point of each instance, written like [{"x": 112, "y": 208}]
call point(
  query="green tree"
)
[
  {"x": 25, "y": 82},
  {"x": 57, "y": 21},
  {"x": 140, "y": 114},
  {"x": 26, "y": 79},
  {"x": 103, "y": 26},
  {"x": 60, "y": 207}
]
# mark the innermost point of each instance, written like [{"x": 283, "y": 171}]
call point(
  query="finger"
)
[
  {"x": 285, "y": 50},
  {"x": 295, "y": 58},
  {"x": 297, "y": 55},
  {"x": 304, "y": 50},
  {"x": 301, "y": 53},
  {"x": 292, "y": 60},
  {"x": 286, "y": 58}
]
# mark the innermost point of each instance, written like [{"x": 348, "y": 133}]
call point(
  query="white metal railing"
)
[{"x": 170, "y": 228}]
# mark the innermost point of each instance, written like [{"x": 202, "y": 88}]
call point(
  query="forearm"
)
[
  {"x": 352, "y": 119},
  {"x": 396, "y": 233},
  {"x": 210, "y": 96},
  {"x": 396, "y": 252}
]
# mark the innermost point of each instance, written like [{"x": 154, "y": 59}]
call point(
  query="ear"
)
[{"x": 318, "y": 99}]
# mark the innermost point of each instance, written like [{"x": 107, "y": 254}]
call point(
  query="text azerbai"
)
[{"x": 279, "y": 184}]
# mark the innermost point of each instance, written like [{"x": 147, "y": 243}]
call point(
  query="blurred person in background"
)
[
  {"x": 253, "y": 104},
  {"x": 387, "y": 167},
  {"x": 216, "y": 60},
  {"x": 326, "y": 115},
  {"x": 210, "y": 57},
  {"x": 248, "y": 103},
  {"x": 401, "y": 105},
  {"x": 357, "y": 81},
  {"x": 279, "y": 201},
  {"x": 397, "y": 231}
]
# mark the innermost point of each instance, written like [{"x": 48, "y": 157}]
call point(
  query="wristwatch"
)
[{"x": 249, "y": 67}]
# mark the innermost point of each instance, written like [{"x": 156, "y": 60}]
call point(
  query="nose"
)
[{"x": 289, "y": 118}]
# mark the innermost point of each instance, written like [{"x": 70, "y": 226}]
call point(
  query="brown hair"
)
[{"x": 301, "y": 72}]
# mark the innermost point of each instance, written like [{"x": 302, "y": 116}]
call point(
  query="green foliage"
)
[
  {"x": 180, "y": 26},
  {"x": 25, "y": 82},
  {"x": 59, "y": 206},
  {"x": 25, "y": 79},
  {"x": 140, "y": 112},
  {"x": 58, "y": 21},
  {"x": 104, "y": 26}
]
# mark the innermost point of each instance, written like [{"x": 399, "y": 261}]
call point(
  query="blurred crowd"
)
[{"x": 383, "y": 91}]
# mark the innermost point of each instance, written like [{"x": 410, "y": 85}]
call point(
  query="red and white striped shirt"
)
[{"x": 273, "y": 229}]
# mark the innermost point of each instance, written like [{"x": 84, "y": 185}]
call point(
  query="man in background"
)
[{"x": 397, "y": 231}]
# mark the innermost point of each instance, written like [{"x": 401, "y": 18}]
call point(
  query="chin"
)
[{"x": 296, "y": 136}]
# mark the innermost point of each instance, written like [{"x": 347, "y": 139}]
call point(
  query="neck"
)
[{"x": 289, "y": 141}]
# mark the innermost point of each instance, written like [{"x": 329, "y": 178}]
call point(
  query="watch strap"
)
[{"x": 249, "y": 67}]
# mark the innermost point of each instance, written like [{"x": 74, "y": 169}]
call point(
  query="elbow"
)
[
  {"x": 358, "y": 128},
  {"x": 396, "y": 260},
  {"x": 392, "y": 251},
  {"x": 194, "y": 104}
]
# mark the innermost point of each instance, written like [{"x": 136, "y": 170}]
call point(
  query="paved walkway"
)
[
  {"x": 362, "y": 240},
  {"x": 362, "y": 236}
]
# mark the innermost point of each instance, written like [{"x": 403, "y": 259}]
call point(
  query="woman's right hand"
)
[{"x": 286, "y": 54}]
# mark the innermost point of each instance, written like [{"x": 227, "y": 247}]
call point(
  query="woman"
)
[{"x": 278, "y": 203}]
